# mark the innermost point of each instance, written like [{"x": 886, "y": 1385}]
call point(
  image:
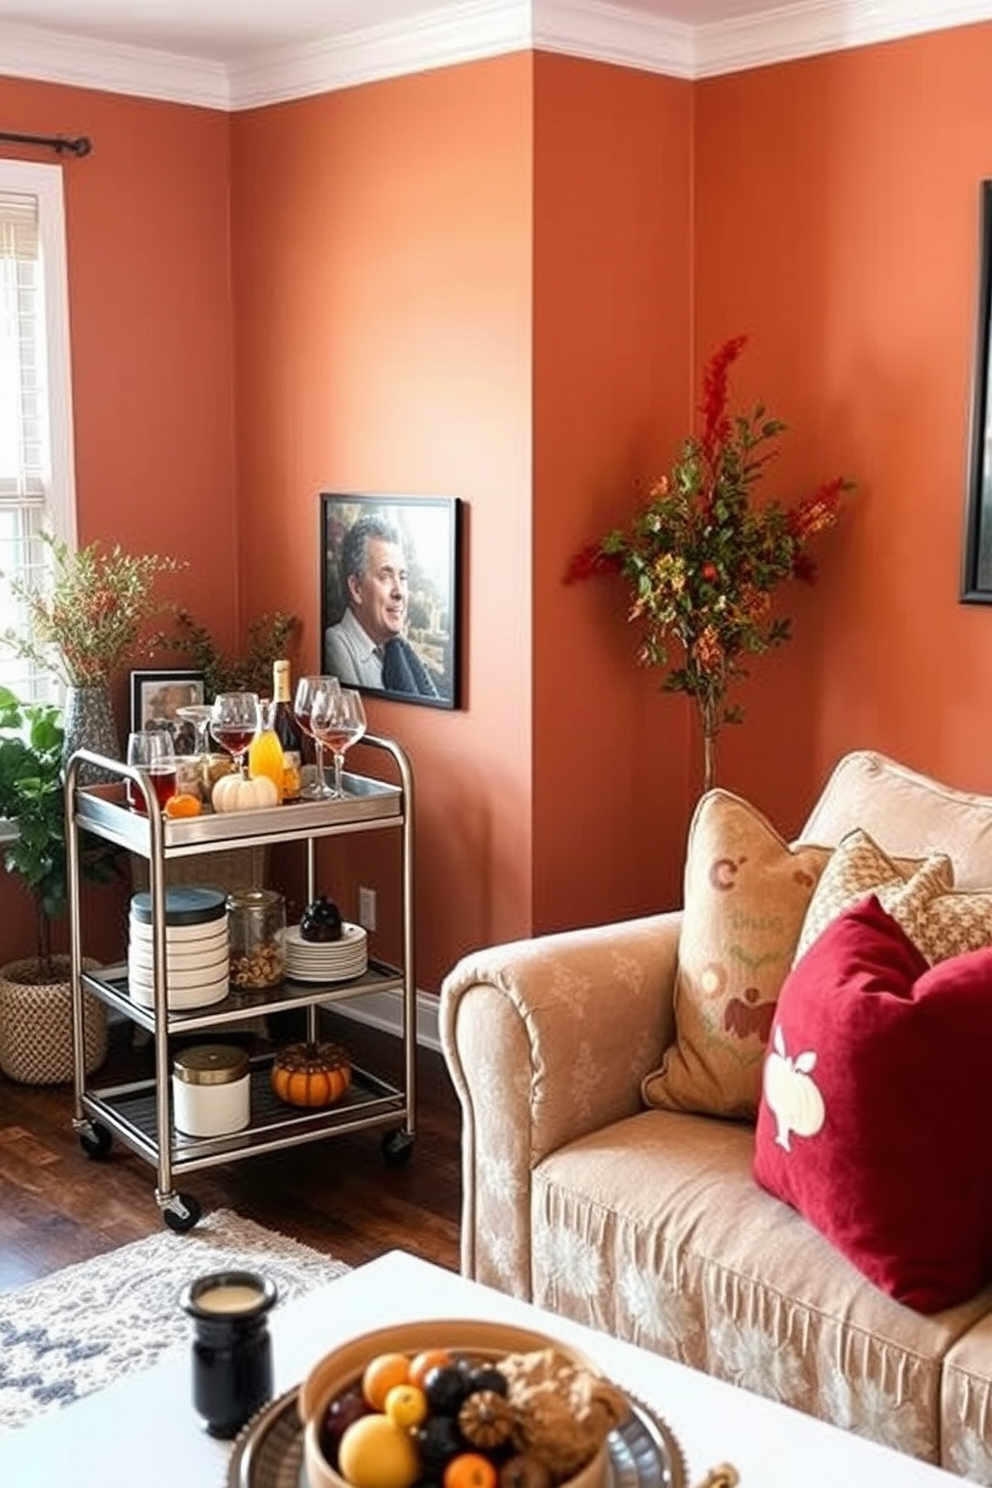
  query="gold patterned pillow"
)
[
  {"x": 905, "y": 887},
  {"x": 940, "y": 920},
  {"x": 746, "y": 896}
]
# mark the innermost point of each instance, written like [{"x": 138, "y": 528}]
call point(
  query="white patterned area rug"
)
[{"x": 81, "y": 1328}]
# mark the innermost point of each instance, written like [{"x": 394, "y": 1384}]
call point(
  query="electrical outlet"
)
[{"x": 366, "y": 908}]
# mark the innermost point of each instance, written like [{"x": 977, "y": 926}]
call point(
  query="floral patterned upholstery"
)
[{"x": 648, "y": 1223}]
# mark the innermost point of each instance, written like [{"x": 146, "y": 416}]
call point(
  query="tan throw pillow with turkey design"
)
[
  {"x": 746, "y": 896},
  {"x": 940, "y": 920}
]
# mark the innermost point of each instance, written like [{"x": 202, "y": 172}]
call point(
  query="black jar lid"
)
[{"x": 185, "y": 904}]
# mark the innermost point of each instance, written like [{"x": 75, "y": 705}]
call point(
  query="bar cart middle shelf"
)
[{"x": 140, "y": 1113}]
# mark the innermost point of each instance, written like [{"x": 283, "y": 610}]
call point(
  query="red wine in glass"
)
[
  {"x": 163, "y": 783},
  {"x": 234, "y": 722},
  {"x": 234, "y": 740}
]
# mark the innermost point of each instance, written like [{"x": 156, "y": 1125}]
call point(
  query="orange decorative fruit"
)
[
  {"x": 182, "y": 804},
  {"x": 470, "y": 1470},
  {"x": 421, "y": 1364},
  {"x": 381, "y": 1374}
]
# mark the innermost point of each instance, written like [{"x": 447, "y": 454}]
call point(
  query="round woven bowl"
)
[{"x": 343, "y": 1367}]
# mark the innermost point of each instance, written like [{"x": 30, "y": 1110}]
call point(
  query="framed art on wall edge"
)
[{"x": 976, "y": 585}]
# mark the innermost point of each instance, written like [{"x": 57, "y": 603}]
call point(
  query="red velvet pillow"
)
[{"x": 875, "y": 1119}]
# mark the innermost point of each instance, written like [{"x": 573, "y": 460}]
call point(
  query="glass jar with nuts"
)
[{"x": 256, "y": 920}]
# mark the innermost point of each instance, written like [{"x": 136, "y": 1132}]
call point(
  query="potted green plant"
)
[
  {"x": 35, "y": 994},
  {"x": 269, "y": 637}
]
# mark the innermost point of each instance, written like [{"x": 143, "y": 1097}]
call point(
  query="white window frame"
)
[{"x": 45, "y": 184}]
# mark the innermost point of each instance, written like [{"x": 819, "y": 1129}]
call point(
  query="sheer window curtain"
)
[{"x": 36, "y": 478}]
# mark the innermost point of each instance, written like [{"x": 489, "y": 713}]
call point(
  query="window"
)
[{"x": 36, "y": 460}]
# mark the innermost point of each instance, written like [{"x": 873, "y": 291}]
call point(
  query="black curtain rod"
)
[{"x": 56, "y": 142}]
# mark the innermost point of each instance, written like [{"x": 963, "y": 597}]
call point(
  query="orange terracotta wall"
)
[
  {"x": 150, "y": 308},
  {"x": 612, "y": 325},
  {"x": 382, "y": 269},
  {"x": 850, "y": 258}
]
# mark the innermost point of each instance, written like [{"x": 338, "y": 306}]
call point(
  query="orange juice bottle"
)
[{"x": 265, "y": 753}]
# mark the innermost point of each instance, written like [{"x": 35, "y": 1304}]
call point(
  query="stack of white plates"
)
[
  {"x": 197, "y": 949},
  {"x": 326, "y": 960}
]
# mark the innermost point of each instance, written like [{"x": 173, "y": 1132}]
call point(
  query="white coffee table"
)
[{"x": 141, "y": 1432}]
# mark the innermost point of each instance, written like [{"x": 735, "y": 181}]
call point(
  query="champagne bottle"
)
[{"x": 288, "y": 731}]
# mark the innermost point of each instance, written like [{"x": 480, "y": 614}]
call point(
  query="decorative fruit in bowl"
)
[
  {"x": 457, "y": 1404},
  {"x": 321, "y": 921}
]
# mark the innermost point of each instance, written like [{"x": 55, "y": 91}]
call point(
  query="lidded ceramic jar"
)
[
  {"x": 211, "y": 1090},
  {"x": 196, "y": 947}
]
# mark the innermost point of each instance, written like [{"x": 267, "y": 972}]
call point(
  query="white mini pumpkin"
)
[{"x": 236, "y": 793}]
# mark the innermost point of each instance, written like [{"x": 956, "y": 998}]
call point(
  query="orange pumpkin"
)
[{"x": 311, "y": 1074}]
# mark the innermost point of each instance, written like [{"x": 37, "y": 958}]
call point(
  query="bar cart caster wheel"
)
[
  {"x": 396, "y": 1148},
  {"x": 181, "y": 1213},
  {"x": 95, "y": 1140}
]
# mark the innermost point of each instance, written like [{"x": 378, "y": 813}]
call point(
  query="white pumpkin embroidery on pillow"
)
[{"x": 792, "y": 1094}]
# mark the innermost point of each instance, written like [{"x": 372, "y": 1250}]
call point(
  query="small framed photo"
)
[
  {"x": 156, "y": 698},
  {"x": 390, "y": 595}
]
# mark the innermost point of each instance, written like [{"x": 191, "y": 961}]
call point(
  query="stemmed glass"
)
[
  {"x": 234, "y": 720},
  {"x": 306, "y": 690},
  {"x": 337, "y": 718},
  {"x": 151, "y": 751},
  {"x": 198, "y": 714}
]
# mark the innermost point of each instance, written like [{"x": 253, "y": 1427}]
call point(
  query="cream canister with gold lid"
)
[{"x": 211, "y": 1090}]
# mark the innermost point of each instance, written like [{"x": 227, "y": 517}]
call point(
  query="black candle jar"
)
[{"x": 232, "y": 1351}]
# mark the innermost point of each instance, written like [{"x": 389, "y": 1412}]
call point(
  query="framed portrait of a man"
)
[{"x": 389, "y": 595}]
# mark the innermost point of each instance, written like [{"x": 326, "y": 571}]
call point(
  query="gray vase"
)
[{"x": 88, "y": 722}]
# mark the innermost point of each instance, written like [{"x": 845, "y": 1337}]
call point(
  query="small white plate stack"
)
[
  {"x": 197, "y": 949},
  {"x": 326, "y": 960}
]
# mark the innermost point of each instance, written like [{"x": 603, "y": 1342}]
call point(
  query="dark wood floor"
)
[{"x": 58, "y": 1206}]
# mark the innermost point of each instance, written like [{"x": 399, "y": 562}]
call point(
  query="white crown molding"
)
[
  {"x": 79, "y": 62},
  {"x": 467, "y": 30},
  {"x": 817, "y": 26},
  {"x": 464, "y": 31},
  {"x": 611, "y": 33}
]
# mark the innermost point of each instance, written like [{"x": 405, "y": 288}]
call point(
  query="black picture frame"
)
[
  {"x": 425, "y": 668},
  {"x": 976, "y": 585},
  {"x": 155, "y": 696}
]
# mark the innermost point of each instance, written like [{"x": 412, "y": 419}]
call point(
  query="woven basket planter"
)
[{"x": 36, "y": 1025}]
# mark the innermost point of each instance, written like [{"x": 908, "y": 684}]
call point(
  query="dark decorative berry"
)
[
  {"x": 438, "y": 1440},
  {"x": 337, "y": 1418},
  {"x": 488, "y": 1377},
  {"x": 321, "y": 921},
  {"x": 446, "y": 1388}
]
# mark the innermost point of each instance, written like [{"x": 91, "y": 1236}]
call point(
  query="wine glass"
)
[
  {"x": 234, "y": 720},
  {"x": 151, "y": 751},
  {"x": 337, "y": 718},
  {"x": 198, "y": 714},
  {"x": 306, "y": 690}
]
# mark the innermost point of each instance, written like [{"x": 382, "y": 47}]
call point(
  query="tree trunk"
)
[{"x": 709, "y": 715}]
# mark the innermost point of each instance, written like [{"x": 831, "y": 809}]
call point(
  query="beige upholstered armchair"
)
[{"x": 647, "y": 1222}]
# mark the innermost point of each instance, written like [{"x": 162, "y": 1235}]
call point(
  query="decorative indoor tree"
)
[{"x": 702, "y": 558}]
